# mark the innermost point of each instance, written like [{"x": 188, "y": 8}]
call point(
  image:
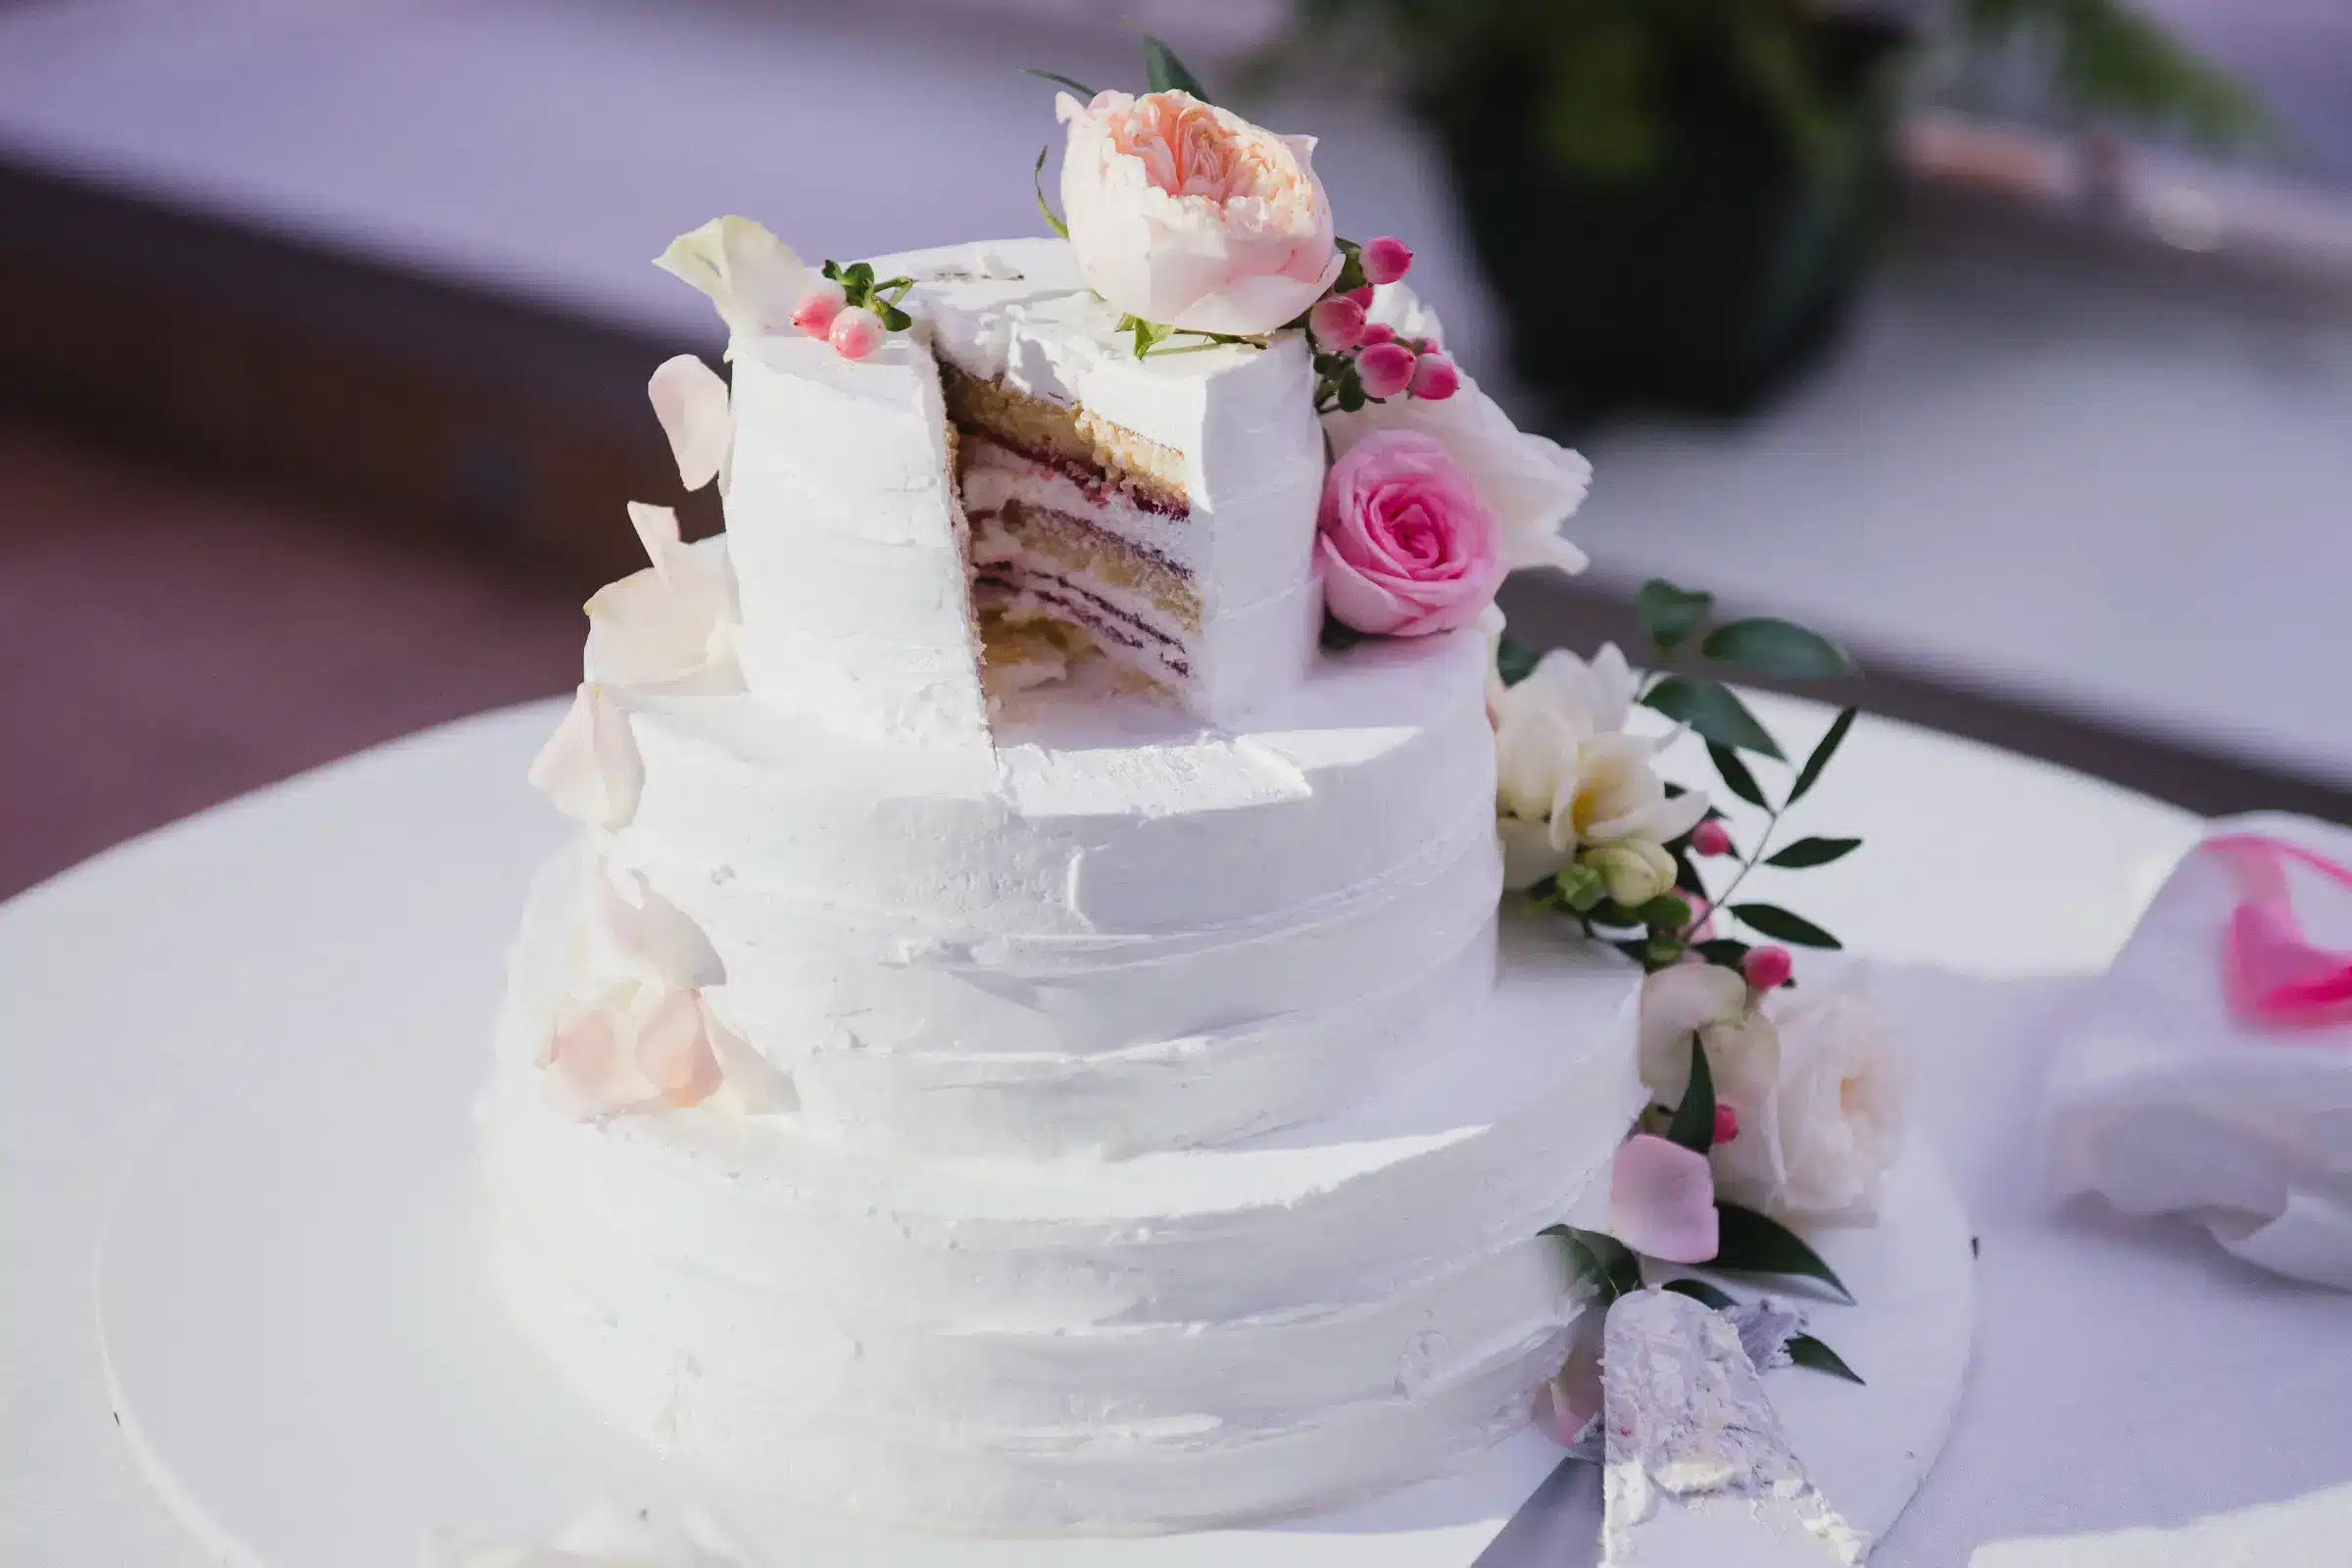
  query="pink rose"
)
[
  {"x": 1405, "y": 544},
  {"x": 1187, "y": 214}
]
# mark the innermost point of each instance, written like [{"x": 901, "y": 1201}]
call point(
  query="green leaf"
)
[
  {"x": 1339, "y": 637},
  {"x": 1167, "y": 73},
  {"x": 1036, "y": 181},
  {"x": 1779, "y": 648},
  {"x": 1581, "y": 888},
  {"x": 1826, "y": 749},
  {"x": 893, "y": 317},
  {"x": 1781, "y": 926},
  {"x": 1665, "y": 912},
  {"x": 1148, "y": 335},
  {"x": 1701, "y": 1292},
  {"x": 1600, "y": 1260},
  {"x": 1693, "y": 1124},
  {"x": 1352, "y": 267},
  {"x": 1806, "y": 1350},
  {"x": 1669, "y": 614},
  {"x": 859, "y": 276},
  {"x": 1752, "y": 1243},
  {"x": 1722, "y": 951},
  {"x": 1351, "y": 390},
  {"x": 1807, "y": 853},
  {"x": 1515, "y": 661},
  {"x": 1711, "y": 708},
  {"x": 1055, "y": 76},
  {"x": 1736, "y": 776}
]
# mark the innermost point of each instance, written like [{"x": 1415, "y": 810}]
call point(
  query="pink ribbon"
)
[{"x": 2273, "y": 974}]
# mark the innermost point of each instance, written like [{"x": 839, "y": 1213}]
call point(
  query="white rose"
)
[
  {"x": 1187, "y": 214},
  {"x": 1838, "y": 1111},
  {"x": 1534, "y": 484}
]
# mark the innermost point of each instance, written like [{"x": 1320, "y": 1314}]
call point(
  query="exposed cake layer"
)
[
  {"x": 1206, "y": 464},
  {"x": 1127, "y": 934},
  {"x": 1172, "y": 1340}
]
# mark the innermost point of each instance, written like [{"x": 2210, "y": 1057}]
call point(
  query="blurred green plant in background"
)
[{"x": 1676, "y": 198}]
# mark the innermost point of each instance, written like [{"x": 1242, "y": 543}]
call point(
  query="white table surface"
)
[
  {"x": 2127, "y": 1372},
  {"x": 2033, "y": 478}
]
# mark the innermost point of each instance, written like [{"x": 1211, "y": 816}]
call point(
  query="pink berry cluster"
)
[
  {"x": 1766, "y": 967},
  {"x": 849, "y": 310},
  {"x": 1359, "y": 360}
]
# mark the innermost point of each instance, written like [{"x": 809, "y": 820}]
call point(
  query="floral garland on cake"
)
[{"x": 1201, "y": 229}]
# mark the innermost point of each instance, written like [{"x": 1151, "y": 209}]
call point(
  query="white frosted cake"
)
[{"x": 1017, "y": 1044}]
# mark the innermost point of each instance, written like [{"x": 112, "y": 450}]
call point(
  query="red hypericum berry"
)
[
  {"x": 1385, "y": 259},
  {"x": 1337, "y": 324},
  {"x": 1711, "y": 837},
  {"x": 817, "y": 305},
  {"x": 1385, "y": 370},
  {"x": 1768, "y": 967},
  {"x": 855, "y": 332},
  {"x": 1727, "y": 1123},
  {"x": 1435, "y": 378}
]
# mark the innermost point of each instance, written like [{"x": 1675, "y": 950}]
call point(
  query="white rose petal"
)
[
  {"x": 751, "y": 276},
  {"x": 589, "y": 767},
  {"x": 671, "y": 626},
  {"x": 690, "y": 399}
]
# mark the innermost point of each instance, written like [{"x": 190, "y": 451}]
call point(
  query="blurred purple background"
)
[{"x": 322, "y": 327}]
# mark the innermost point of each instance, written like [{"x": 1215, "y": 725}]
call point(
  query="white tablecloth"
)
[{"x": 2127, "y": 1373}]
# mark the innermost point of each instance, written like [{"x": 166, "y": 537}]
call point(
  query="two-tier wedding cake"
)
[{"x": 1015, "y": 1047}]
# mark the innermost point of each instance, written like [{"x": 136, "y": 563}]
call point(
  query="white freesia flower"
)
[
  {"x": 691, "y": 401},
  {"x": 1567, "y": 775},
  {"x": 1838, "y": 1110},
  {"x": 671, "y": 626},
  {"x": 604, "y": 1538},
  {"x": 1534, "y": 484},
  {"x": 751, "y": 276},
  {"x": 589, "y": 767}
]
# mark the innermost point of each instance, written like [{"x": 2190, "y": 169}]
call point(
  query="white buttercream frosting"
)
[{"x": 1180, "y": 1339}]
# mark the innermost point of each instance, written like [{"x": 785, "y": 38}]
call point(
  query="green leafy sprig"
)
[{"x": 859, "y": 287}]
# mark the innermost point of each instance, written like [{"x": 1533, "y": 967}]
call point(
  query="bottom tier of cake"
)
[{"x": 1175, "y": 1340}]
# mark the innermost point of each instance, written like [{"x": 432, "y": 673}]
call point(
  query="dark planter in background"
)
[{"x": 1701, "y": 282}]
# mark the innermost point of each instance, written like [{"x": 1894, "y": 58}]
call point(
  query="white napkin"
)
[{"x": 2168, "y": 1096}]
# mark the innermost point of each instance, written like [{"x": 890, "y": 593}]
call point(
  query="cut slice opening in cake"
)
[{"x": 1075, "y": 523}]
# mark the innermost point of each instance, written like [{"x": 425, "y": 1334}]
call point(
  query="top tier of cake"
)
[{"x": 1015, "y": 447}]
